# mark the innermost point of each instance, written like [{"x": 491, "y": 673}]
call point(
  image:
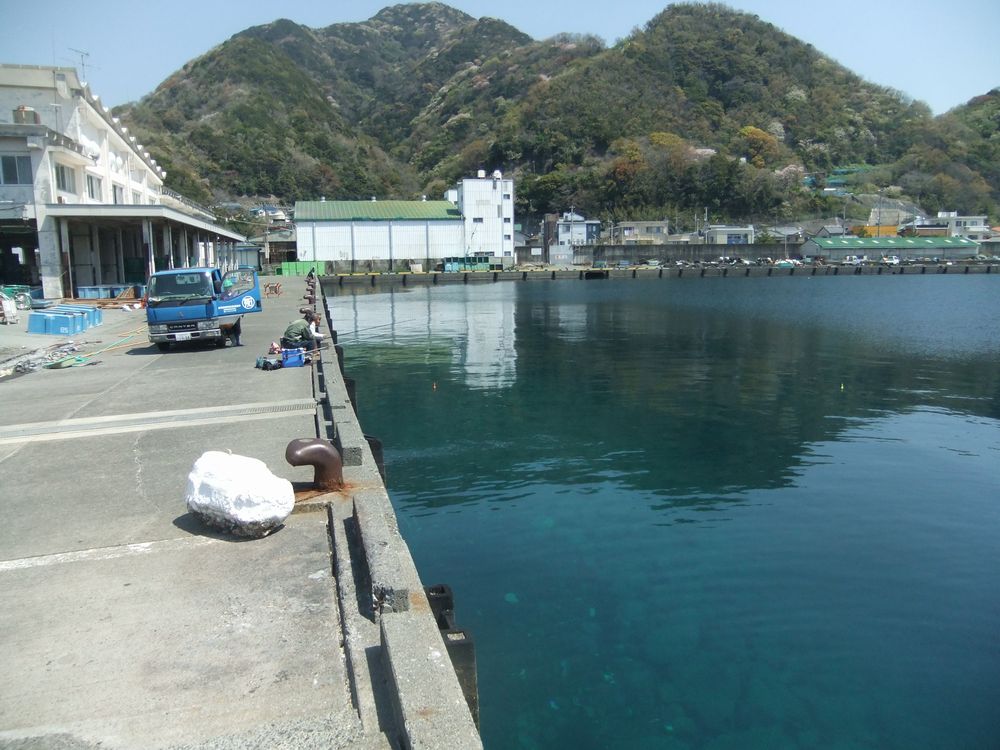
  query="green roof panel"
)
[
  {"x": 376, "y": 211},
  {"x": 893, "y": 243}
]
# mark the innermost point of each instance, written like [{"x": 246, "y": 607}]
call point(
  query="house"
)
[
  {"x": 640, "y": 233},
  {"x": 574, "y": 229},
  {"x": 972, "y": 227},
  {"x": 720, "y": 234},
  {"x": 785, "y": 233},
  {"x": 835, "y": 249},
  {"x": 832, "y": 230},
  {"x": 82, "y": 203},
  {"x": 476, "y": 221}
]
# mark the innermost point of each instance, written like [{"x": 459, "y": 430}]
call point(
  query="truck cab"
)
[{"x": 199, "y": 304}]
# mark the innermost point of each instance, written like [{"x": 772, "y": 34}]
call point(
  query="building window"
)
[
  {"x": 117, "y": 194},
  {"x": 477, "y": 220},
  {"x": 506, "y": 236},
  {"x": 94, "y": 187},
  {"x": 65, "y": 180},
  {"x": 16, "y": 170},
  {"x": 136, "y": 197},
  {"x": 506, "y": 220},
  {"x": 506, "y": 196}
]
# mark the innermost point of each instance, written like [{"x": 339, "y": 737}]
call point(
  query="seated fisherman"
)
[{"x": 302, "y": 334}]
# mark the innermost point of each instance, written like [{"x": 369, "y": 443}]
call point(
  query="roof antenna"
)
[{"x": 83, "y": 60}]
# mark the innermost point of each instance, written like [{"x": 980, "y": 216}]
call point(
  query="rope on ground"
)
[{"x": 75, "y": 360}]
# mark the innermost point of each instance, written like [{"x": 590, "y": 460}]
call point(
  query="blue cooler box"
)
[{"x": 293, "y": 357}]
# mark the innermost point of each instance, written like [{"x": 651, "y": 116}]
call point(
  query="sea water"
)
[{"x": 706, "y": 513}]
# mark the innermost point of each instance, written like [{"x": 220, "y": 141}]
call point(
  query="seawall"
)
[{"x": 641, "y": 272}]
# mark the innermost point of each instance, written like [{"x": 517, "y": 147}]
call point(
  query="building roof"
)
[
  {"x": 376, "y": 211},
  {"x": 893, "y": 243}
]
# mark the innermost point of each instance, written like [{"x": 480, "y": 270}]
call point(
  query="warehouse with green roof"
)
[
  {"x": 836, "y": 249},
  {"x": 394, "y": 235}
]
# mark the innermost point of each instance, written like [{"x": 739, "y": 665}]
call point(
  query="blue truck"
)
[{"x": 200, "y": 304}]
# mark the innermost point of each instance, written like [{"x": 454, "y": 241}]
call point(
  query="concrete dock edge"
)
[{"x": 396, "y": 638}]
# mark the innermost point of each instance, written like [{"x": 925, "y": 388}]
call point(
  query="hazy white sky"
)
[{"x": 940, "y": 53}]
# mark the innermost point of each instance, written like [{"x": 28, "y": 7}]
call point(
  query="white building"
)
[
  {"x": 82, "y": 202},
  {"x": 376, "y": 235},
  {"x": 476, "y": 221},
  {"x": 971, "y": 227},
  {"x": 487, "y": 207},
  {"x": 718, "y": 234}
]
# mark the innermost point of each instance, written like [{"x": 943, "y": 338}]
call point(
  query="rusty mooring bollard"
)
[{"x": 323, "y": 456}]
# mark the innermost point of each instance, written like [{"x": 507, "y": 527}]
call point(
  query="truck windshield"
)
[{"x": 180, "y": 286}]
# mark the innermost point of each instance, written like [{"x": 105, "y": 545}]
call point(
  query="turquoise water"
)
[{"x": 707, "y": 513}]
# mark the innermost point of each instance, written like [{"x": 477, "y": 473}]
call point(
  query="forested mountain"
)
[{"x": 703, "y": 107}]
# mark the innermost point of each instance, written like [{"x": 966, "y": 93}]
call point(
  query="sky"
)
[{"x": 940, "y": 53}]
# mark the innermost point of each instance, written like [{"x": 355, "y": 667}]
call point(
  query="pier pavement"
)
[{"x": 127, "y": 624}]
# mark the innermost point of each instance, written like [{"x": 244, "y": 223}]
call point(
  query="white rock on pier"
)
[{"x": 238, "y": 494}]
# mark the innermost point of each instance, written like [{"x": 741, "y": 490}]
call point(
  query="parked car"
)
[
  {"x": 653, "y": 263},
  {"x": 890, "y": 260},
  {"x": 624, "y": 264},
  {"x": 854, "y": 260}
]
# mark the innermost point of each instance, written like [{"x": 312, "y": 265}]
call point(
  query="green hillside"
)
[{"x": 422, "y": 94}]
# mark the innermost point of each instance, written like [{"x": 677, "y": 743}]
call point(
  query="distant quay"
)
[{"x": 642, "y": 272}]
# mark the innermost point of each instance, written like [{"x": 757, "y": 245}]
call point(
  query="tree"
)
[{"x": 759, "y": 147}]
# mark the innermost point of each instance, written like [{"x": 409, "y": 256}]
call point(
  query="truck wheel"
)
[
  {"x": 162, "y": 346},
  {"x": 220, "y": 342}
]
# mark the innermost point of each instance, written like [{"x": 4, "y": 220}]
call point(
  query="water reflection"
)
[{"x": 475, "y": 331}]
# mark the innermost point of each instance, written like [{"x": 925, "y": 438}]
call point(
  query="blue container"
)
[
  {"x": 38, "y": 322},
  {"x": 94, "y": 315},
  {"x": 62, "y": 324},
  {"x": 88, "y": 292},
  {"x": 81, "y": 320},
  {"x": 293, "y": 357}
]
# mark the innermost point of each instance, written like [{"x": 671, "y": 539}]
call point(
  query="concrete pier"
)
[{"x": 128, "y": 624}]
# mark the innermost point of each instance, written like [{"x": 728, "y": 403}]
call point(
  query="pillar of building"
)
[
  {"x": 95, "y": 254},
  {"x": 168, "y": 244},
  {"x": 149, "y": 247},
  {"x": 49, "y": 257},
  {"x": 120, "y": 254}
]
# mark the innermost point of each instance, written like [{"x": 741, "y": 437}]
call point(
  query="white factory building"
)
[
  {"x": 473, "y": 225},
  {"x": 82, "y": 202}
]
